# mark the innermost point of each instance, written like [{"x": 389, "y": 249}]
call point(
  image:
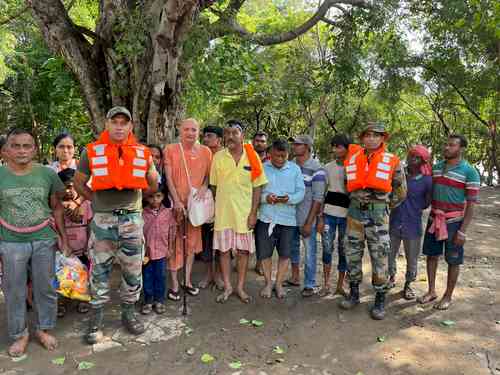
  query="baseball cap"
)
[
  {"x": 118, "y": 110},
  {"x": 303, "y": 139}
]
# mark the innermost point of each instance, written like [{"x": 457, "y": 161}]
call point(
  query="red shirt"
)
[{"x": 159, "y": 232}]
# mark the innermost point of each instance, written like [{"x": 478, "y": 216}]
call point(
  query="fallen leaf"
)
[
  {"x": 59, "y": 361},
  {"x": 190, "y": 351},
  {"x": 422, "y": 278},
  {"x": 381, "y": 338},
  {"x": 207, "y": 358},
  {"x": 257, "y": 323},
  {"x": 278, "y": 350},
  {"x": 235, "y": 365},
  {"x": 448, "y": 323},
  {"x": 188, "y": 331},
  {"x": 84, "y": 365},
  {"x": 244, "y": 321},
  {"x": 19, "y": 359}
]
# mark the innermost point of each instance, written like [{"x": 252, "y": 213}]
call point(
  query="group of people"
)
[{"x": 128, "y": 203}]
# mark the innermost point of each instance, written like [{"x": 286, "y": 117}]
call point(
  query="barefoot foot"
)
[
  {"x": 18, "y": 348},
  {"x": 266, "y": 291},
  {"x": 49, "y": 342},
  {"x": 245, "y": 298},
  {"x": 221, "y": 298}
]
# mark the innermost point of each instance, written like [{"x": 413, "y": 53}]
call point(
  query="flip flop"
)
[
  {"x": 173, "y": 295},
  {"x": 425, "y": 299},
  {"x": 192, "y": 291},
  {"x": 442, "y": 305},
  {"x": 291, "y": 283}
]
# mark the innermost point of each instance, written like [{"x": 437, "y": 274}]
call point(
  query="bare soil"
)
[{"x": 315, "y": 335}]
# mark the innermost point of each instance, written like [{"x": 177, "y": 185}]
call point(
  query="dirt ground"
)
[{"x": 315, "y": 336}]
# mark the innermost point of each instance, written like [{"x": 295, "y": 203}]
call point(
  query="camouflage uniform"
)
[
  {"x": 368, "y": 221},
  {"x": 116, "y": 236}
]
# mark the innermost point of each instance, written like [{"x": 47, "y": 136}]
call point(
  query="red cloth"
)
[
  {"x": 438, "y": 226},
  {"x": 425, "y": 155}
]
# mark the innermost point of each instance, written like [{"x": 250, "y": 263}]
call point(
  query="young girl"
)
[
  {"x": 77, "y": 217},
  {"x": 159, "y": 233}
]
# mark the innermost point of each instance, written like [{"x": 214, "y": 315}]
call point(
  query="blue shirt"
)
[
  {"x": 314, "y": 177},
  {"x": 287, "y": 180},
  {"x": 406, "y": 219}
]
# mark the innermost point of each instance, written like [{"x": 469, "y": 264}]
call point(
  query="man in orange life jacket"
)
[
  {"x": 375, "y": 181},
  {"x": 121, "y": 171}
]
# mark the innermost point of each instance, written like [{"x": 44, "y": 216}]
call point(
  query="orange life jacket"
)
[
  {"x": 374, "y": 174},
  {"x": 254, "y": 160},
  {"x": 118, "y": 166}
]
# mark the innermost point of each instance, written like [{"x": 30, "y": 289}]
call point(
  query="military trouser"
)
[
  {"x": 120, "y": 237},
  {"x": 370, "y": 225}
]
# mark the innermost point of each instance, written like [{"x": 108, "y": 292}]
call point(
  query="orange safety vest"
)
[
  {"x": 374, "y": 174},
  {"x": 118, "y": 166}
]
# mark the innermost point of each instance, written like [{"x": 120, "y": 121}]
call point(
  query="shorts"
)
[
  {"x": 454, "y": 255},
  {"x": 281, "y": 239}
]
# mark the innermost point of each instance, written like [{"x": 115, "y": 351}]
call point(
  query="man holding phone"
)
[{"x": 277, "y": 224}]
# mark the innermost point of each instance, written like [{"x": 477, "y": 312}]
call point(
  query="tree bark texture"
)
[{"x": 116, "y": 67}]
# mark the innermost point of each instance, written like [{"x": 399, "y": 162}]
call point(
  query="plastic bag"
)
[{"x": 72, "y": 278}]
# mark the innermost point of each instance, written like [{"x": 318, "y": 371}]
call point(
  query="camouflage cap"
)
[
  {"x": 118, "y": 110},
  {"x": 377, "y": 127}
]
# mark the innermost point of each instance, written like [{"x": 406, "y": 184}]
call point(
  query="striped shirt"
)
[
  {"x": 453, "y": 187},
  {"x": 315, "y": 181},
  {"x": 159, "y": 232}
]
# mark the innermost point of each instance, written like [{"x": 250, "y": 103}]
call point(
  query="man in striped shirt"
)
[{"x": 455, "y": 191}]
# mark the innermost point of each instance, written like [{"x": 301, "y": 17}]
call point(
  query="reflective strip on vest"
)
[
  {"x": 99, "y": 160},
  {"x": 138, "y": 173},
  {"x": 351, "y": 176},
  {"x": 99, "y": 149},
  {"x": 139, "y": 162},
  {"x": 100, "y": 172},
  {"x": 383, "y": 166},
  {"x": 382, "y": 175},
  {"x": 351, "y": 168},
  {"x": 387, "y": 157},
  {"x": 139, "y": 152}
]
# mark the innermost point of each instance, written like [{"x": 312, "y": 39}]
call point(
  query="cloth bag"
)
[{"x": 199, "y": 211}]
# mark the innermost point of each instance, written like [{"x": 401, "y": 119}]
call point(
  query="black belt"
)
[{"x": 122, "y": 211}]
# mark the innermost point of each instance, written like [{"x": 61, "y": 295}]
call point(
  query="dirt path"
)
[{"x": 315, "y": 335}]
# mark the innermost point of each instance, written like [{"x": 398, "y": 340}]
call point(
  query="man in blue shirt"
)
[
  {"x": 277, "y": 222},
  {"x": 406, "y": 219}
]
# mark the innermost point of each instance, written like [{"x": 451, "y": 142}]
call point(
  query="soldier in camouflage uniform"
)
[
  {"x": 117, "y": 226},
  {"x": 367, "y": 218}
]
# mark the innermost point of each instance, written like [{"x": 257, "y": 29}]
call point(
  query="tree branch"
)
[
  {"x": 14, "y": 16},
  {"x": 230, "y": 25}
]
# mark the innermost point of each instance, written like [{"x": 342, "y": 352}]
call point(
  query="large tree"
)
[{"x": 138, "y": 54}]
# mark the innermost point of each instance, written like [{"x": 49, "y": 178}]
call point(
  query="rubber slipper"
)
[
  {"x": 424, "y": 300},
  {"x": 192, "y": 291},
  {"x": 173, "y": 295},
  {"x": 291, "y": 283}
]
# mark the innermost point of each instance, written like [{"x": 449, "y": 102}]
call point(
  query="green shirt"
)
[
  {"x": 25, "y": 202},
  {"x": 112, "y": 199}
]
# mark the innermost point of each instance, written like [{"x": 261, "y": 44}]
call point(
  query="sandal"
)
[
  {"x": 426, "y": 298},
  {"x": 173, "y": 295},
  {"x": 408, "y": 293},
  {"x": 192, "y": 291},
  {"x": 442, "y": 305},
  {"x": 308, "y": 292},
  {"x": 291, "y": 283},
  {"x": 159, "y": 308},
  {"x": 61, "y": 310},
  {"x": 146, "y": 309},
  {"x": 82, "y": 308}
]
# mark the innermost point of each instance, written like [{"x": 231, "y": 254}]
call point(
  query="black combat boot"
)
[
  {"x": 130, "y": 321},
  {"x": 94, "y": 334},
  {"x": 353, "y": 299},
  {"x": 377, "y": 311}
]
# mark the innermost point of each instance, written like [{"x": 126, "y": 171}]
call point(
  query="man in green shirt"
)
[{"x": 28, "y": 199}]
